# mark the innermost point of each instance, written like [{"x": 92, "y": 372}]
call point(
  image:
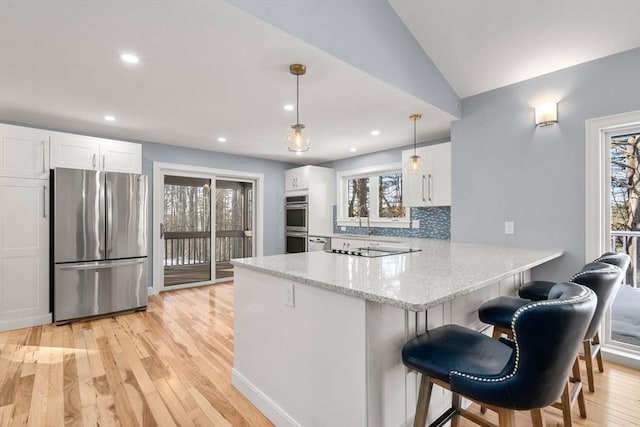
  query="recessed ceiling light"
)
[
  {"x": 222, "y": 139},
  {"x": 129, "y": 58},
  {"x": 353, "y": 149},
  {"x": 110, "y": 118},
  {"x": 375, "y": 132},
  {"x": 289, "y": 107}
]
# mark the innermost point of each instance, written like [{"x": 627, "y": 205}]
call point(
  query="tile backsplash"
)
[{"x": 435, "y": 223}]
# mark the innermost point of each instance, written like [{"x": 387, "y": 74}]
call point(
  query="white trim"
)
[
  {"x": 598, "y": 132},
  {"x": 9, "y": 325},
  {"x": 366, "y": 172},
  {"x": 388, "y": 223},
  {"x": 160, "y": 169},
  {"x": 268, "y": 407},
  {"x": 369, "y": 170}
]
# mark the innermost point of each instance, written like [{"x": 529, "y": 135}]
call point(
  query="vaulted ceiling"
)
[{"x": 209, "y": 69}]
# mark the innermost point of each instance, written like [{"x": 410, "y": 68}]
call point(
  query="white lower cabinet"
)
[{"x": 24, "y": 253}]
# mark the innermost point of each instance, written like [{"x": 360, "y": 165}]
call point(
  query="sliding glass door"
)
[
  {"x": 234, "y": 225},
  {"x": 186, "y": 230}
]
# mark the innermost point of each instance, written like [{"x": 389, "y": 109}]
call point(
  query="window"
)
[{"x": 374, "y": 193}]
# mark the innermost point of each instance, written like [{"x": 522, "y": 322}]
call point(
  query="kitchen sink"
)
[{"x": 369, "y": 252}]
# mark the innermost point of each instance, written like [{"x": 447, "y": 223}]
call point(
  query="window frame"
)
[{"x": 343, "y": 220}]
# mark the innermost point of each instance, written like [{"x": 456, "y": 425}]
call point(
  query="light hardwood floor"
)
[{"x": 171, "y": 365}]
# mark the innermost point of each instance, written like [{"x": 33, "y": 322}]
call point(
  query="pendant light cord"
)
[{"x": 414, "y": 136}]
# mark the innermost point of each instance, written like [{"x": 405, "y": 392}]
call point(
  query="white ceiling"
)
[
  {"x": 480, "y": 45},
  {"x": 208, "y": 69}
]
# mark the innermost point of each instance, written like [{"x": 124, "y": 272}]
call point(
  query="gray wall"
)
[
  {"x": 506, "y": 169},
  {"x": 273, "y": 229}
]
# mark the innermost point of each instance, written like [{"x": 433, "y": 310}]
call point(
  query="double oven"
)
[{"x": 296, "y": 223}]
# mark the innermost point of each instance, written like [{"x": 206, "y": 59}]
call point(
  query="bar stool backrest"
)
[
  {"x": 604, "y": 279},
  {"x": 547, "y": 335}
]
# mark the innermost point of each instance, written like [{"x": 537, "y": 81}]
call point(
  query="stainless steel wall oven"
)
[{"x": 296, "y": 215}]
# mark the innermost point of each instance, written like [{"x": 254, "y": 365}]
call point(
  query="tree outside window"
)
[{"x": 378, "y": 196}]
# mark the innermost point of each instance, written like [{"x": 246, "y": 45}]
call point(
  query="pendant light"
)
[
  {"x": 414, "y": 163},
  {"x": 298, "y": 140}
]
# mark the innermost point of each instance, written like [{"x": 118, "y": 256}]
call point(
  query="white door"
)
[
  {"x": 24, "y": 253},
  {"x": 605, "y": 206}
]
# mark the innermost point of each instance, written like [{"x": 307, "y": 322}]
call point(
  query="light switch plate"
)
[
  {"x": 290, "y": 294},
  {"x": 509, "y": 227}
]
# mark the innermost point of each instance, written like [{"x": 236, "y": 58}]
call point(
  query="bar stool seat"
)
[
  {"x": 527, "y": 373},
  {"x": 457, "y": 348},
  {"x": 537, "y": 290},
  {"x": 499, "y": 311}
]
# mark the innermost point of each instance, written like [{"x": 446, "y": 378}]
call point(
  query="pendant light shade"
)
[
  {"x": 414, "y": 163},
  {"x": 298, "y": 139}
]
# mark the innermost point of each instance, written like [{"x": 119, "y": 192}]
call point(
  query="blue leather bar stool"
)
[
  {"x": 604, "y": 280},
  {"x": 606, "y": 294},
  {"x": 526, "y": 373}
]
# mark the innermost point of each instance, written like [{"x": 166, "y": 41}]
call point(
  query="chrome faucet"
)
[{"x": 368, "y": 220}]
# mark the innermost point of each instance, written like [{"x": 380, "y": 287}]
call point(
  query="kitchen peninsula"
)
[{"x": 318, "y": 335}]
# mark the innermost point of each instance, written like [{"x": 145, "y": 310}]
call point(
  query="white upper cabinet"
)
[
  {"x": 297, "y": 179},
  {"x": 74, "y": 151},
  {"x": 432, "y": 186},
  {"x": 24, "y": 152},
  {"x": 320, "y": 186},
  {"x": 84, "y": 152},
  {"x": 119, "y": 156}
]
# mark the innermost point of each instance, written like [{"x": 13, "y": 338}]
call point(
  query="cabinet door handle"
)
[
  {"x": 93, "y": 161},
  {"x": 430, "y": 185},
  {"x": 104, "y": 161},
  {"x": 423, "y": 179},
  {"x": 44, "y": 201}
]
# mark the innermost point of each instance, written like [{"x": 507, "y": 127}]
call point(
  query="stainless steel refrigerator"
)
[{"x": 99, "y": 243}]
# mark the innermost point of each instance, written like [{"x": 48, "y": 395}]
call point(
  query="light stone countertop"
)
[{"x": 417, "y": 281}]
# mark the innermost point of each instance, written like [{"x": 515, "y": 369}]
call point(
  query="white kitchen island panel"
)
[
  {"x": 334, "y": 358},
  {"x": 301, "y": 365}
]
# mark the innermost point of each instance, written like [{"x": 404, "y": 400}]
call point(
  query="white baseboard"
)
[
  {"x": 621, "y": 357},
  {"x": 9, "y": 325},
  {"x": 272, "y": 411}
]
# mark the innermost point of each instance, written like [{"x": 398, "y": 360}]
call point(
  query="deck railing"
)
[
  {"x": 627, "y": 242},
  {"x": 193, "y": 248}
]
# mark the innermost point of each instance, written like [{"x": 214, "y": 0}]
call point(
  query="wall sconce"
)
[{"x": 546, "y": 114}]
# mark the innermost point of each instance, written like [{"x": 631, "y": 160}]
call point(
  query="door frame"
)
[
  {"x": 160, "y": 169},
  {"x": 598, "y": 133}
]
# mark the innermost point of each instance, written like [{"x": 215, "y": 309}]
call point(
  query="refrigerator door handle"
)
[
  {"x": 109, "y": 218},
  {"x": 100, "y": 265}
]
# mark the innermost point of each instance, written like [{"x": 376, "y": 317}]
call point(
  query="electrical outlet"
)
[
  {"x": 343, "y": 228},
  {"x": 290, "y": 294},
  {"x": 415, "y": 223},
  {"x": 509, "y": 227}
]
